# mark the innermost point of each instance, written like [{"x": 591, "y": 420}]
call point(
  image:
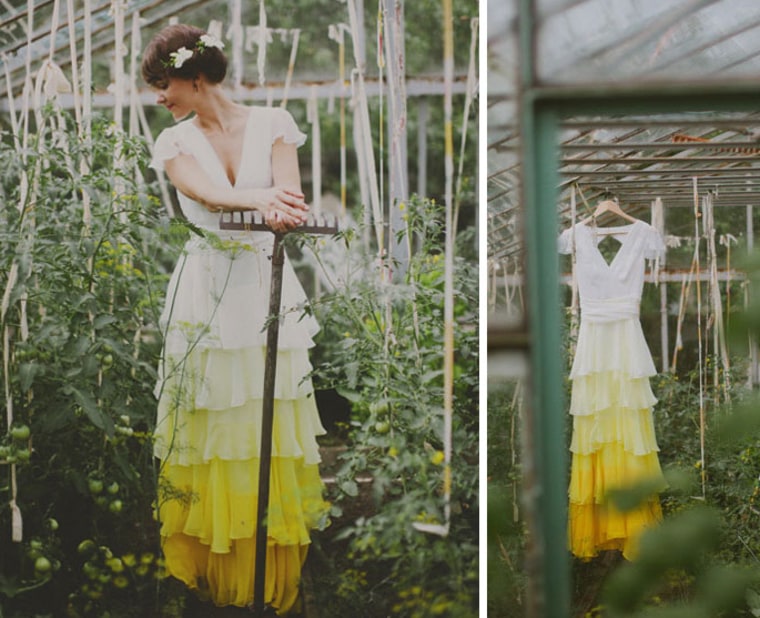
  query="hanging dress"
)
[
  {"x": 210, "y": 391},
  {"x": 613, "y": 442}
]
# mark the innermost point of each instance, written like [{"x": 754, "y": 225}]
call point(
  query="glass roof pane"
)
[{"x": 602, "y": 41}]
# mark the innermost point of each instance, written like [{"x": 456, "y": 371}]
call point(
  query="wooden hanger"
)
[{"x": 612, "y": 206}]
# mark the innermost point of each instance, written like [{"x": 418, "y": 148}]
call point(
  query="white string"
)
[
  {"x": 699, "y": 338},
  {"x": 291, "y": 66},
  {"x": 574, "y": 303},
  {"x": 470, "y": 92},
  {"x": 658, "y": 223},
  {"x": 361, "y": 111},
  {"x": 335, "y": 32},
  {"x": 316, "y": 152},
  {"x": 263, "y": 40}
]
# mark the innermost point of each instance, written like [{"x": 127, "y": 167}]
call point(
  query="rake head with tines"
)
[{"x": 253, "y": 221}]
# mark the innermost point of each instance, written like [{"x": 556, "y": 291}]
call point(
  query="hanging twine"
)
[
  {"x": 16, "y": 520},
  {"x": 470, "y": 92},
  {"x": 574, "y": 303},
  {"x": 702, "y": 419},
  {"x": 658, "y": 223},
  {"x": 296, "y": 34},
  {"x": 263, "y": 39},
  {"x": 316, "y": 151},
  {"x": 365, "y": 152},
  {"x": 336, "y": 33},
  {"x": 720, "y": 347}
]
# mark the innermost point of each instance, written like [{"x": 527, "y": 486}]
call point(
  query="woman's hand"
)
[{"x": 283, "y": 208}]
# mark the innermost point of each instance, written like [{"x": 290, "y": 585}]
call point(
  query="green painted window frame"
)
[{"x": 542, "y": 109}]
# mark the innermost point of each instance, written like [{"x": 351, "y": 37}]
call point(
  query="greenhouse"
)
[
  {"x": 623, "y": 471},
  {"x": 240, "y": 345}
]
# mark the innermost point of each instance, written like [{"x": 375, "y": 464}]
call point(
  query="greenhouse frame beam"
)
[
  {"x": 633, "y": 146},
  {"x": 669, "y": 160},
  {"x": 416, "y": 87},
  {"x": 577, "y": 123},
  {"x": 726, "y": 180},
  {"x": 663, "y": 276},
  {"x": 681, "y": 171}
]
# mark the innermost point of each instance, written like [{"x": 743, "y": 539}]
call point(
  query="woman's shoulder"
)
[
  {"x": 281, "y": 124},
  {"x": 178, "y": 131}
]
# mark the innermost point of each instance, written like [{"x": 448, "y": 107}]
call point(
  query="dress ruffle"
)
[
  {"x": 614, "y": 445},
  {"x": 595, "y": 524},
  {"x": 208, "y": 430},
  {"x": 187, "y": 433},
  {"x": 214, "y": 299},
  {"x": 617, "y": 346},
  {"x": 208, "y": 527},
  {"x": 600, "y": 391}
]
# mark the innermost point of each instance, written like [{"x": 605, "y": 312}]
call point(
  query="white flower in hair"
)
[
  {"x": 208, "y": 40},
  {"x": 179, "y": 57}
]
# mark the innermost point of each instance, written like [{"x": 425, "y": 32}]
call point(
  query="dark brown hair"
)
[{"x": 156, "y": 67}]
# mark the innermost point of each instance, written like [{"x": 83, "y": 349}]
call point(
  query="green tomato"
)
[
  {"x": 91, "y": 570},
  {"x": 23, "y": 455},
  {"x": 86, "y": 547},
  {"x": 378, "y": 408},
  {"x": 108, "y": 361},
  {"x": 115, "y": 506},
  {"x": 52, "y": 524},
  {"x": 106, "y": 552},
  {"x": 113, "y": 488},
  {"x": 20, "y": 432},
  {"x": 42, "y": 565},
  {"x": 382, "y": 427},
  {"x": 95, "y": 485},
  {"x": 5, "y": 451},
  {"x": 120, "y": 581}
]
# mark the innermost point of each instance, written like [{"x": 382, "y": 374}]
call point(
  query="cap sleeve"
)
[
  {"x": 283, "y": 126},
  {"x": 565, "y": 241},
  {"x": 169, "y": 144},
  {"x": 654, "y": 246}
]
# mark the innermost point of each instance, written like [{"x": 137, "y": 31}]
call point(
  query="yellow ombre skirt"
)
[
  {"x": 208, "y": 430},
  {"x": 613, "y": 443}
]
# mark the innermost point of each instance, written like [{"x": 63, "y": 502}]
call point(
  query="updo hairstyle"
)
[{"x": 207, "y": 61}]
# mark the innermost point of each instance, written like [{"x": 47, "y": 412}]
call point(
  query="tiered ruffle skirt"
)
[
  {"x": 613, "y": 444},
  {"x": 208, "y": 437}
]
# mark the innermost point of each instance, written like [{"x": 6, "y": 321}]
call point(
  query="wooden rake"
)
[{"x": 253, "y": 221}]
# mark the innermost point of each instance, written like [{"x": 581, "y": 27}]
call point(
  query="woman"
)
[{"x": 230, "y": 157}]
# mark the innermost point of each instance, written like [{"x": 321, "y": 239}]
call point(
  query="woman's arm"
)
[
  {"x": 281, "y": 204},
  {"x": 286, "y": 180}
]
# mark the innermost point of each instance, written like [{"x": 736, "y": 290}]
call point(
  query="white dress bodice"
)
[
  {"x": 610, "y": 291},
  {"x": 263, "y": 127}
]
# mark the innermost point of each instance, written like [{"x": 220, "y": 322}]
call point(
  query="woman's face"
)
[{"x": 177, "y": 95}]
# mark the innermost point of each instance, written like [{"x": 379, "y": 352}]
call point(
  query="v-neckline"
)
[
  {"x": 232, "y": 183},
  {"x": 628, "y": 228}
]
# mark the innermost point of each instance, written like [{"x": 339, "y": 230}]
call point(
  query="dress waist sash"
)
[{"x": 609, "y": 309}]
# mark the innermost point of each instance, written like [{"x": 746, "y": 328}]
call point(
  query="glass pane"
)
[{"x": 602, "y": 41}]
